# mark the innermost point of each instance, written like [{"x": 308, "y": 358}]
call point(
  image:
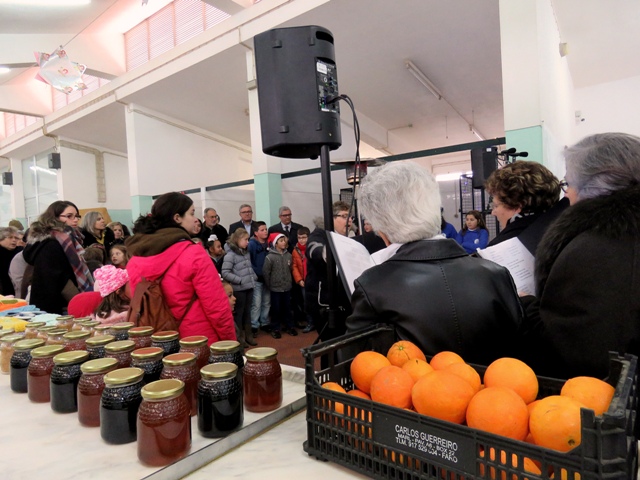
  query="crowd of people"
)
[{"x": 255, "y": 279}]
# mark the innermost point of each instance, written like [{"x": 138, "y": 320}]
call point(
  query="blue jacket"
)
[
  {"x": 473, "y": 239},
  {"x": 449, "y": 231},
  {"x": 258, "y": 252}
]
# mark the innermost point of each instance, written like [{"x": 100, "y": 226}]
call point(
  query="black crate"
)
[{"x": 389, "y": 443}]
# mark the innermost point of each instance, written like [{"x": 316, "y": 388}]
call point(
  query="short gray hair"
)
[
  {"x": 6, "y": 232},
  {"x": 401, "y": 200},
  {"x": 208, "y": 209},
  {"x": 245, "y": 205},
  {"x": 603, "y": 163},
  {"x": 283, "y": 208}
]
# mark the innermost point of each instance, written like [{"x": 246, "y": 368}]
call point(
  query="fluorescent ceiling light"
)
[
  {"x": 46, "y": 3},
  {"x": 422, "y": 78}
]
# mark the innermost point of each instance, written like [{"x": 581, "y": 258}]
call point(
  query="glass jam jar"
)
[
  {"x": 183, "y": 367},
  {"x": 54, "y": 337},
  {"x": 220, "y": 409},
  {"x": 120, "y": 350},
  {"x": 39, "y": 372},
  {"x": 64, "y": 380},
  {"x": 65, "y": 321},
  {"x": 167, "y": 340},
  {"x": 20, "y": 363},
  {"x": 141, "y": 336},
  {"x": 43, "y": 332},
  {"x": 196, "y": 344},
  {"x": 75, "y": 340},
  {"x": 101, "y": 330},
  {"x": 148, "y": 359},
  {"x": 6, "y": 351},
  {"x": 95, "y": 345},
  {"x": 31, "y": 329},
  {"x": 227, "y": 351},
  {"x": 119, "y": 405},
  {"x": 6, "y": 331},
  {"x": 120, "y": 330},
  {"x": 164, "y": 423},
  {"x": 262, "y": 380},
  {"x": 89, "y": 326},
  {"x": 90, "y": 389},
  {"x": 79, "y": 322}
]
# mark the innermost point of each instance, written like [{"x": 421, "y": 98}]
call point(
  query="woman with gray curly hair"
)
[
  {"x": 431, "y": 290},
  {"x": 588, "y": 262}
]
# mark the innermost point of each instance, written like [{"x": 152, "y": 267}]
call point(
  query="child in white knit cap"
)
[{"x": 112, "y": 283}]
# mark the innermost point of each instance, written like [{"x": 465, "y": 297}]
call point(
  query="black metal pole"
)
[{"x": 327, "y": 208}]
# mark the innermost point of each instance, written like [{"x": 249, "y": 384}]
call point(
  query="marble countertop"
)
[{"x": 39, "y": 443}]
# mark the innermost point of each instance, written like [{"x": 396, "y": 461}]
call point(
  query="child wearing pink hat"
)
[{"x": 112, "y": 283}]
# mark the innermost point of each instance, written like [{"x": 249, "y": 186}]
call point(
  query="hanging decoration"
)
[{"x": 59, "y": 71}]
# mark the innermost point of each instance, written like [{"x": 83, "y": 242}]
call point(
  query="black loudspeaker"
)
[
  {"x": 7, "y": 178},
  {"x": 54, "y": 161},
  {"x": 296, "y": 76},
  {"x": 484, "y": 161}
]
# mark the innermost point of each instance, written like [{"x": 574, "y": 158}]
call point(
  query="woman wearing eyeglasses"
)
[
  {"x": 588, "y": 262},
  {"x": 54, "y": 248}
]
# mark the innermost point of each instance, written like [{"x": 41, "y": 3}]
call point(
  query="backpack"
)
[{"x": 148, "y": 307}]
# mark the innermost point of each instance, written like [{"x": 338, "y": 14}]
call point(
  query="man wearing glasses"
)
[
  {"x": 246, "y": 221},
  {"x": 288, "y": 228}
]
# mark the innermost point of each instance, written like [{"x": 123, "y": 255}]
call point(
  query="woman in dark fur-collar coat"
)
[{"x": 588, "y": 263}]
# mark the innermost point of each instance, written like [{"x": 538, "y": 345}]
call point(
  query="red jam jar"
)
[
  {"x": 64, "y": 380},
  {"x": 90, "y": 389},
  {"x": 120, "y": 330},
  {"x": 262, "y": 378},
  {"x": 20, "y": 363},
  {"x": 31, "y": 329},
  {"x": 197, "y": 345},
  {"x": 120, "y": 350},
  {"x": 164, "y": 423},
  {"x": 75, "y": 340},
  {"x": 167, "y": 340},
  {"x": 39, "y": 372},
  {"x": 95, "y": 345},
  {"x": 141, "y": 336},
  {"x": 148, "y": 359},
  {"x": 183, "y": 367},
  {"x": 54, "y": 337}
]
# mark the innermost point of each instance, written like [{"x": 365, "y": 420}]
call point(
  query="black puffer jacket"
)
[
  {"x": 442, "y": 299},
  {"x": 588, "y": 286}
]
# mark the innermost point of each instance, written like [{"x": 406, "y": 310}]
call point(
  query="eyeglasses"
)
[
  {"x": 493, "y": 204},
  {"x": 70, "y": 216},
  {"x": 564, "y": 185},
  {"x": 245, "y": 212},
  {"x": 285, "y": 215},
  {"x": 342, "y": 215}
]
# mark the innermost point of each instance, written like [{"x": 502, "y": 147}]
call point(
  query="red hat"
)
[
  {"x": 273, "y": 238},
  {"x": 84, "y": 304}
]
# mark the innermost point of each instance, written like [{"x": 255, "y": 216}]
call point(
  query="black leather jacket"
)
[{"x": 442, "y": 299}]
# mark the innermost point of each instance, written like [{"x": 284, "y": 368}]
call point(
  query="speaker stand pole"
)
[{"x": 327, "y": 208}]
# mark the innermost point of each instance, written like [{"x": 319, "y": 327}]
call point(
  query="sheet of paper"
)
[
  {"x": 514, "y": 256},
  {"x": 352, "y": 258}
]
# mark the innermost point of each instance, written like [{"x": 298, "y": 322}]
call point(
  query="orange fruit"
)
[
  {"x": 357, "y": 393},
  {"x": 499, "y": 410},
  {"x": 417, "y": 368},
  {"x": 592, "y": 392},
  {"x": 441, "y": 394},
  {"x": 515, "y": 374},
  {"x": 555, "y": 423},
  {"x": 402, "y": 351},
  {"x": 527, "y": 464},
  {"x": 364, "y": 367},
  {"x": 338, "y": 407},
  {"x": 442, "y": 359},
  {"x": 467, "y": 372},
  {"x": 392, "y": 386}
]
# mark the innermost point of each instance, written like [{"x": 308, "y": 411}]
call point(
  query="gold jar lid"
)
[
  {"x": 5, "y": 332},
  {"x": 76, "y": 335},
  {"x": 28, "y": 344},
  {"x": 224, "y": 346},
  {"x": 219, "y": 371},
  {"x": 57, "y": 331},
  {"x": 82, "y": 319},
  {"x": 147, "y": 353},
  {"x": 261, "y": 354},
  {"x": 101, "y": 328},
  {"x": 178, "y": 359},
  {"x": 64, "y": 318},
  {"x": 12, "y": 338},
  {"x": 91, "y": 323},
  {"x": 99, "y": 365},
  {"x": 123, "y": 376},
  {"x": 120, "y": 346},
  {"x": 47, "y": 351},
  {"x": 165, "y": 335},
  {"x": 163, "y": 389},
  {"x": 140, "y": 331},
  {"x": 194, "y": 341},
  {"x": 122, "y": 326},
  {"x": 99, "y": 340},
  {"x": 35, "y": 324},
  {"x": 47, "y": 328},
  {"x": 71, "y": 358}
]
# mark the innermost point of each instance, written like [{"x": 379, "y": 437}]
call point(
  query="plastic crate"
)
[{"x": 383, "y": 442}]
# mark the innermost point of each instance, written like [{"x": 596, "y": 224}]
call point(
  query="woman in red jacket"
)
[{"x": 162, "y": 242}]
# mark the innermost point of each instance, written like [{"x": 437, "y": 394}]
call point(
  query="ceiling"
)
[{"x": 456, "y": 44}]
